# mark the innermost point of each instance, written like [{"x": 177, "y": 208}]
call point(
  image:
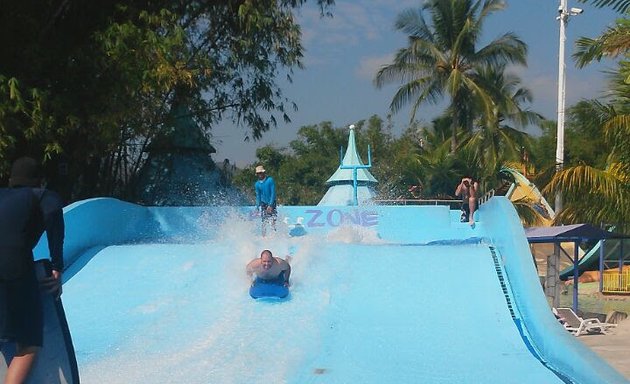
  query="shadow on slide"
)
[{"x": 56, "y": 362}]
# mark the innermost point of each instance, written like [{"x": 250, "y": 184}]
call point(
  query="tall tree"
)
[
  {"x": 93, "y": 82},
  {"x": 599, "y": 193},
  {"x": 302, "y": 169},
  {"x": 500, "y": 138},
  {"x": 443, "y": 57}
]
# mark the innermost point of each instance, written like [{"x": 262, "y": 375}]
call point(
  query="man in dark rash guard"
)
[{"x": 26, "y": 211}]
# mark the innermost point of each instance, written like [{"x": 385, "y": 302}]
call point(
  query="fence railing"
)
[
  {"x": 486, "y": 197},
  {"x": 452, "y": 203},
  {"x": 616, "y": 281}
]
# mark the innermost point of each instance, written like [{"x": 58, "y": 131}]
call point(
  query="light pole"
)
[
  {"x": 552, "y": 289},
  {"x": 563, "y": 17}
]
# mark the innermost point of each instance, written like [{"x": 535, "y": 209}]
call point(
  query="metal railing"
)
[
  {"x": 486, "y": 197},
  {"x": 452, "y": 203},
  {"x": 616, "y": 281}
]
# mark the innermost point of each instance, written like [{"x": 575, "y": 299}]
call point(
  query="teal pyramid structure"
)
[{"x": 341, "y": 183}]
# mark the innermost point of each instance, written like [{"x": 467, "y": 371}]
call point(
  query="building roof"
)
[{"x": 566, "y": 233}]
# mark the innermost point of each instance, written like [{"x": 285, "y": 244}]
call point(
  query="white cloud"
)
[
  {"x": 353, "y": 25},
  {"x": 580, "y": 87},
  {"x": 368, "y": 66},
  {"x": 544, "y": 88}
]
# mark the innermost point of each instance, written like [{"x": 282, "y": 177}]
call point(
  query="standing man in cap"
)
[
  {"x": 26, "y": 210},
  {"x": 265, "y": 188}
]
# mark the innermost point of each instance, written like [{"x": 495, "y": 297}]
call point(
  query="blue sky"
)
[{"x": 344, "y": 52}]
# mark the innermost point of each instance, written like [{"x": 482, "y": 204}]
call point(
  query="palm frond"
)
[
  {"x": 620, "y": 6},
  {"x": 593, "y": 195},
  {"x": 613, "y": 42},
  {"x": 525, "y": 208}
]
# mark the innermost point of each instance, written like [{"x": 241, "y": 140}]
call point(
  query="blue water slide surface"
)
[{"x": 399, "y": 294}]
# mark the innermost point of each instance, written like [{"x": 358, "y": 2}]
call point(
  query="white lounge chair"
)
[{"x": 578, "y": 326}]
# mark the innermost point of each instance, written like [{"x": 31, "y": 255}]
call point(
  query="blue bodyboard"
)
[{"x": 260, "y": 290}]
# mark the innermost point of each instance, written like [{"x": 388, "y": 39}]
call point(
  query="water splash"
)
[{"x": 353, "y": 234}]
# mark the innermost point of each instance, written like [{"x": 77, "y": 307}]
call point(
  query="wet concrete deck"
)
[{"x": 614, "y": 347}]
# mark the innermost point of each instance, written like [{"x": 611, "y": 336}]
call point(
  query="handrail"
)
[
  {"x": 486, "y": 197},
  {"x": 450, "y": 202},
  {"x": 615, "y": 281}
]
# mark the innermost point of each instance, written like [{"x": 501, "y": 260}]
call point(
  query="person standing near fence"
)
[{"x": 468, "y": 189}]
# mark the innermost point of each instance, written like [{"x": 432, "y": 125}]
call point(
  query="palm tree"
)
[
  {"x": 500, "y": 138},
  {"x": 603, "y": 194},
  {"x": 441, "y": 170},
  {"x": 443, "y": 58},
  {"x": 600, "y": 195}
]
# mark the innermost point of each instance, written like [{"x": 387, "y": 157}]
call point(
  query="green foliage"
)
[
  {"x": 399, "y": 169},
  {"x": 585, "y": 139},
  {"x": 596, "y": 185},
  {"x": 613, "y": 42},
  {"x": 497, "y": 140},
  {"x": 302, "y": 169},
  {"x": 443, "y": 57},
  {"x": 90, "y": 84},
  {"x": 620, "y": 6},
  {"x": 528, "y": 215}
]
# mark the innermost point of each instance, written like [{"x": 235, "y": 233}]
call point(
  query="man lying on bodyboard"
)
[{"x": 270, "y": 276}]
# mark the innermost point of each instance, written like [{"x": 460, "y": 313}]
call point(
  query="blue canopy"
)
[{"x": 569, "y": 233}]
